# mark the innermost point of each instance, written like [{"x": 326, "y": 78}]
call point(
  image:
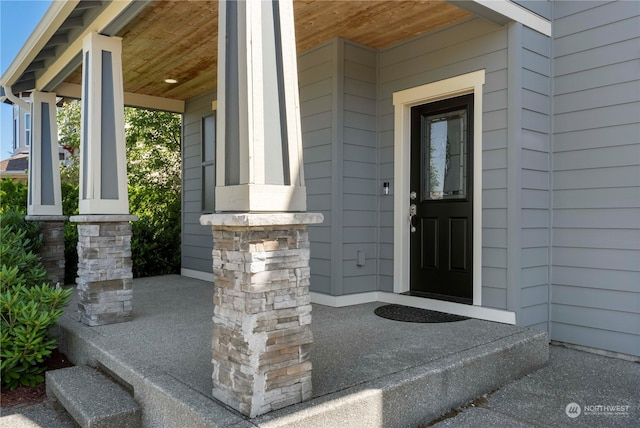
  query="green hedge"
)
[
  {"x": 13, "y": 196},
  {"x": 155, "y": 245},
  {"x": 29, "y": 306},
  {"x": 70, "y": 208}
]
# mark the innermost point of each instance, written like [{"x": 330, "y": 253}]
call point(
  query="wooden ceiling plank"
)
[{"x": 178, "y": 39}]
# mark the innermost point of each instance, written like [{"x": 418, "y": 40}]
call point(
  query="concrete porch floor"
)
[{"x": 367, "y": 371}]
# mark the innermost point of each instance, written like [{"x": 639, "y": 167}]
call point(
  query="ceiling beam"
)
[
  {"x": 71, "y": 23},
  {"x": 57, "y": 40},
  {"x": 71, "y": 90},
  {"x": 88, "y": 4},
  {"x": 53, "y": 18},
  {"x": 110, "y": 13},
  {"x": 45, "y": 53}
]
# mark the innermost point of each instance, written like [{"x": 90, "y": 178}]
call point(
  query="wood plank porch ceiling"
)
[{"x": 178, "y": 39}]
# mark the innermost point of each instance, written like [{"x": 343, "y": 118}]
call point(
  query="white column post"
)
[
  {"x": 44, "y": 201},
  {"x": 259, "y": 151},
  {"x": 44, "y": 172},
  {"x": 262, "y": 309},
  {"x": 103, "y": 168},
  {"x": 104, "y": 224}
]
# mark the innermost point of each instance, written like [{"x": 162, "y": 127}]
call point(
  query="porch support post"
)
[
  {"x": 259, "y": 154},
  {"x": 104, "y": 224},
  {"x": 262, "y": 312},
  {"x": 44, "y": 200},
  {"x": 44, "y": 197},
  {"x": 51, "y": 250},
  {"x": 103, "y": 163}
]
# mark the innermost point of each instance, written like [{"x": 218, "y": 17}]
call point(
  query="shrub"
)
[
  {"x": 70, "y": 208},
  {"x": 155, "y": 244},
  {"x": 29, "y": 307},
  {"x": 13, "y": 196},
  {"x": 27, "y": 315},
  {"x": 155, "y": 251},
  {"x": 18, "y": 248}
]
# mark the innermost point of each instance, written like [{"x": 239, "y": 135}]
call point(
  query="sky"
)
[{"x": 18, "y": 18}]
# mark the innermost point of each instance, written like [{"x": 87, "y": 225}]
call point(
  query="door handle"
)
[{"x": 413, "y": 210}]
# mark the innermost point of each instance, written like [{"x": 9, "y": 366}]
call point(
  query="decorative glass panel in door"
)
[{"x": 444, "y": 151}]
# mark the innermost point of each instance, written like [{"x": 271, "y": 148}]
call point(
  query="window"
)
[
  {"x": 208, "y": 163},
  {"x": 15, "y": 133},
  {"x": 27, "y": 129}
]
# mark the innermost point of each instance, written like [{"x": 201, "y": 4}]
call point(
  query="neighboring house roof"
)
[{"x": 16, "y": 163}]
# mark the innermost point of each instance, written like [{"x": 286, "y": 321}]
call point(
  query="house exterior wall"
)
[
  {"x": 360, "y": 190},
  {"x": 347, "y": 123},
  {"x": 532, "y": 96},
  {"x": 560, "y": 165},
  {"x": 316, "y": 71},
  {"x": 196, "y": 239},
  {"x": 596, "y": 175},
  {"x": 338, "y": 109},
  {"x": 463, "y": 48}
]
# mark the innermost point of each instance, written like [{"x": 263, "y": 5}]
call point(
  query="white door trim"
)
[{"x": 470, "y": 83}]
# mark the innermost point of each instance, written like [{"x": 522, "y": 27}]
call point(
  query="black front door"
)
[{"x": 442, "y": 199}]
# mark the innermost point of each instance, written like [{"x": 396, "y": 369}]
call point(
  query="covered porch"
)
[
  {"x": 368, "y": 371},
  {"x": 246, "y": 181}
]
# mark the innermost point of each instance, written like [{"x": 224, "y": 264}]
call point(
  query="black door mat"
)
[{"x": 409, "y": 314}]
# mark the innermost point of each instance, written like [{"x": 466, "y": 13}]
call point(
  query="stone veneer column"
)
[
  {"x": 262, "y": 310},
  {"x": 52, "y": 249},
  {"x": 104, "y": 268}
]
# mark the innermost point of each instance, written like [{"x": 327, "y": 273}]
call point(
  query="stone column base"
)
[
  {"x": 104, "y": 268},
  {"x": 52, "y": 249},
  {"x": 262, "y": 310}
]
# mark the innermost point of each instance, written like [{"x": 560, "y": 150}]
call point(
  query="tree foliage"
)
[
  {"x": 153, "y": 154},
  {"x": 13, "y": 196},
  {"x": 153, "y": 170},
  {"x": 69, "y": 137}
]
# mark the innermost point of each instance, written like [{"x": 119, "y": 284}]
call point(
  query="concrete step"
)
[
  {"x": 422, "y": 393},
  {"x": 92, "y": 399}
]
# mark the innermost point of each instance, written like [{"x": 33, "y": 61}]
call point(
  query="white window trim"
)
[
  {"x": 470, "y": 83},
  {"x": 27, "y": 129},
  {"x": 16, "y": 131},
  {"x": 204, "y": 163}
]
